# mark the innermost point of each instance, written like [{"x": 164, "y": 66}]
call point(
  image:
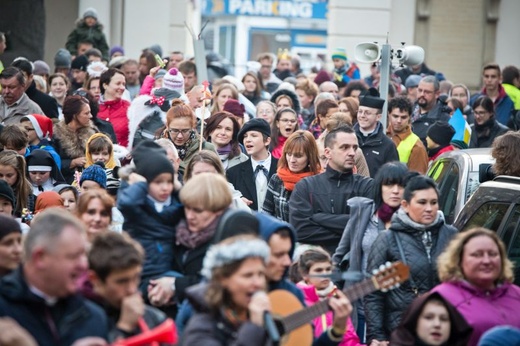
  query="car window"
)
[
  {"x": 511, "y": 237},
  {"x": 438, "y": 171},
  {"x": 473, "y": 184},
  {"x": 448, "y": 189},
  {"x": 488, "y": 215}
]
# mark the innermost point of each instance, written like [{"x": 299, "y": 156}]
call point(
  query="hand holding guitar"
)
[{"x": 342, "y": 309}]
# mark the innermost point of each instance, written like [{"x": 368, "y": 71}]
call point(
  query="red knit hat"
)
[
  {"x": 42, "y": 125},
  {"x": 234, "y": 107}
]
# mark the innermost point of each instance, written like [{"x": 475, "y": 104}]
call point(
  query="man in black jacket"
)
[
  {"x": 48, "y": 104},
  {"x": 41, "y": 294},
  {"x": 318, "y": 206},
  {"x": 377, "y": 148}
]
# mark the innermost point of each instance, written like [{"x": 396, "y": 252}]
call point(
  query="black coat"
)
[
  {"x": 480, "y": 139},
  {"x": 48, "y": 104},
  {"x": 420, "y": 126},
  {"x": 377, "y": 148},
  {"x": 383, "y": 311},
  {"x": 242, "y": 177},
  {"x": 318, "y": 206},
  {"x": 74, "y": 316}
]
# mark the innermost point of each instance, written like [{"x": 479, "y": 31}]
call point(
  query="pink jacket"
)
[
  {"x": 322, "y": 322},
  {"x": 146, "y": 88},
  {"x": 483, "y": 310}
]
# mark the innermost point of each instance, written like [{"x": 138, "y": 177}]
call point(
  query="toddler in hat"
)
[
  {"x": 439, "y": 138},
  {"x": 344, "y": 71},
  {"x": 88, "y": 28},
  {"x": 151, "y": 208},
  {"x": 101, "y": 149},
  {"x": 39, "y": 133}
]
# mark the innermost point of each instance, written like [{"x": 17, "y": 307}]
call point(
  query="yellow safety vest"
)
[{"x": 405, "y": 147}]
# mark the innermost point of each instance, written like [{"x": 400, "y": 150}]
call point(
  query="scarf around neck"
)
[
  {"x": 290, "y": 179},
  {"x": 183, "y": 149},
  {"x": 385, "y": 212},
  {"x": 190, "y": 239}
]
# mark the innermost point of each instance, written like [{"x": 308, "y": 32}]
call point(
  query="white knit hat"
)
[
  {"x": 174, "y": 80},
  {"x": 225, "y": 253}
]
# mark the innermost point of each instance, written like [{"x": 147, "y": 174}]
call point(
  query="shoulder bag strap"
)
[{"x": 403, "y": 258}]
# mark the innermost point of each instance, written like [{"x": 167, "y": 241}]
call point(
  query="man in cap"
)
[{"x": 376, "y": 146}]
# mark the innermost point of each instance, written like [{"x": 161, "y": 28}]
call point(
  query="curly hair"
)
[
  {"x": 309, "y": 88},
  {"x": 450, "y": 261},
  {"x": 505, "y": 153}
]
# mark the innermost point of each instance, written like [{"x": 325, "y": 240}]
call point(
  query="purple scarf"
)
[
  {"x": 385, "y": 212},
  {"x": 190, "y": 239}
]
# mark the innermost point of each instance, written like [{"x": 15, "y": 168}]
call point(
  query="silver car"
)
[{"x": 457, "y": 176}]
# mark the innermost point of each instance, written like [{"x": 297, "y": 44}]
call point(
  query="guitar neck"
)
[{"x": 304, "y": 316}]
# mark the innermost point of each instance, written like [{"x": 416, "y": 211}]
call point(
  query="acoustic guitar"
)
[{"x": 293, "y": 321}]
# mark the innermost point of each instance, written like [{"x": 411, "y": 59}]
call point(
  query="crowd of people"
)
[{"x": 131, "y": 194}]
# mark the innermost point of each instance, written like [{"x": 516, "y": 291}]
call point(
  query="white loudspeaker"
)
[
  {"x": 367, "y": 52},
  {"x": 410, "y": 55}
]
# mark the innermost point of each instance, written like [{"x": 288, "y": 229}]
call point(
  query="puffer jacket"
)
[
  {"x": 84, "y": 32},
  {"x": 154, "y": 231},
  {"x": 422, "y": 244}
]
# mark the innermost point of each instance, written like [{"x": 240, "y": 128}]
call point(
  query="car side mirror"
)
[{"x": 486, "y": 172}]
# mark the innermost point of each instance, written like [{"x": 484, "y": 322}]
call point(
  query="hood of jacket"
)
[
  {"x": 405, "y": 333},
  {"x": 401, "y": 222},
  {"x": 269, "y": 224}
]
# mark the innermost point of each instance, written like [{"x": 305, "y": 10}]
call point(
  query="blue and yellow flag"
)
[{"x": 461, "y": 126}]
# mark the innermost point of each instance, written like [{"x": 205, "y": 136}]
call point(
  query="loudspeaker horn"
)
[
  {"x": 163, "y": 333},
  {"x": 410, "y": 55},
  {"x": 367, "y": 52}
]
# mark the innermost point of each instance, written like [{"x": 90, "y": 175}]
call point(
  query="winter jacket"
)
[
  {"x": 276, "y": 201},
  {"x": 73, "y": 317},
  {"x": 152, "y": 316},
  {"x": 192, "y": 150},
  {"x": 106, "y": 128},
  {"x": 83, "y": 32},
  {"x": 433, "y": 154},
  {"x": 405, "y": 334},
  {"x": 212, "y": 329},
  {"x": 504, "y": 107},
  {"x": 70, "y": 145},
  {"x": 483, "y": 310},
  {"x": 421, "y": 124},
  {"x": 325, "y": 321},
  {"x": 383, "y": 310},
  {"x": 377, "y": 148},
  {"x": 417, "y": 159},
  {"x": 114, "y": 111},
  {"x": 514, "y": 94},
  {"x": 486, "y": 141},
  {"x": 47, "y": 103},
  {"x": 154, "y": 231},
  {"x": 318, "y": 206}
]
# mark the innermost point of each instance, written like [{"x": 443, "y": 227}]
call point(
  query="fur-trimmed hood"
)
[
  {"x": 74, "y": 143},
  {"x": 137, "y": 112}
]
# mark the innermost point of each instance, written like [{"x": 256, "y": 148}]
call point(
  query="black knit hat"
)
[
  {"x": 441, "y": 133},
  {"x": 371, "y": 99},
  {"x": 256, "y": 124},
  {"x": 80, "y": 63},
  {"x": 6, "y": 192},
  {"x": 150, "y": 160},
  {"x": 8, "y": 225}
]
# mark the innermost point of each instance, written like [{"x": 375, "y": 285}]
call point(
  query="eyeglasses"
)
[
  {"x": 175, "y": 132},
  {"x": 290, "y": 121},
  {"x": 480, "y": 113}
]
